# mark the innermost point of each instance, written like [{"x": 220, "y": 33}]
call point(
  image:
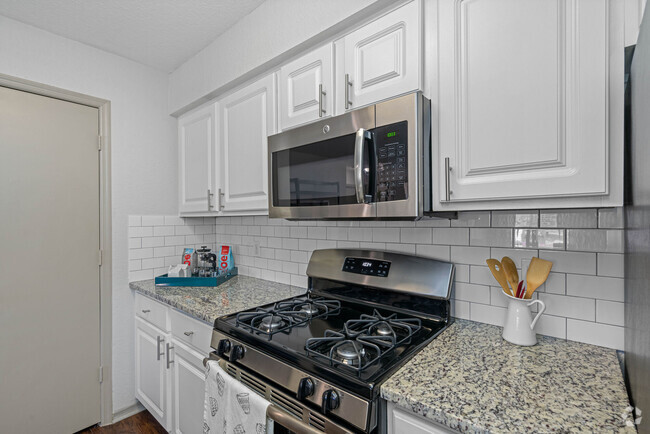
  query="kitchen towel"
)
[{"x": 230, "y": 406}]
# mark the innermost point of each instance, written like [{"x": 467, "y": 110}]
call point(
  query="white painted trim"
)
[
  {"x": 128, "y": 412},
  {"x": 106, "y": 270}
]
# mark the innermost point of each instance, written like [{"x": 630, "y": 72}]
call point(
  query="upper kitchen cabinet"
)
[
  {"x": 381, "y": 60},
  {"x": 197, "y": 174},
  {"x": 306, "y": 88},
  {"x": 530, "y": 104},
  {"x": 246, "y": 118}
]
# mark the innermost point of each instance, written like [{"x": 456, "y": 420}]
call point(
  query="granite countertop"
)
[
  {"x": 471, "y": 380},
  {"x": 209, "y": 303}
]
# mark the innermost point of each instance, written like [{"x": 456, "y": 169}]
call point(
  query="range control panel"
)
[
  {"x": 372, "y": 267},
  {"x": 392, "y": 162}
]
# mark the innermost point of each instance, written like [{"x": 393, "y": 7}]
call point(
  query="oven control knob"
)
[
  {"x": 331, "y": 400},
  {"x": 305, "y": 388},
  {"x": 237, "y": 353},
  {"x": 223, "y": 347}
]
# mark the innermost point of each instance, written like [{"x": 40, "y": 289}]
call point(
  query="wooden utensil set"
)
[{"x": 505, "y": 272}]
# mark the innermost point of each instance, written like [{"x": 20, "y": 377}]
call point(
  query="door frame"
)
[{"x": 105, "y": 224}]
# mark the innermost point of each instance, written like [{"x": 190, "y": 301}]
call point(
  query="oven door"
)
[
  {"x": 284, "y": 423},
  {"x": 325, "y": 169}
]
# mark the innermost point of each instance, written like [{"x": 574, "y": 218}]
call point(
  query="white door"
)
[
  {"x": 197, "y": 177},
  {"x": 306, "y": 88},
  {"x": 49, "y": 272},
  {"x": 246, "y": 118},
  {"x": 525, "y": 100},
  {"x": 383, "y": 59},
  {"x": 151, "y": 374},
  {"x": 189, "y": 390}
]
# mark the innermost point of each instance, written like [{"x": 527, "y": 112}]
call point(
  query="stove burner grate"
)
[
  {"x": 286, "y": 314},
  {"x": 363, "y": 341}
]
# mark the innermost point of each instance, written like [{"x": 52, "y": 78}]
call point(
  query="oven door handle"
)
[
  {"x": 291, "y": 423},
  {"x": 359, "y": 143}
]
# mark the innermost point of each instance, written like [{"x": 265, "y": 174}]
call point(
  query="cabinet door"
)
[
  {"x": 306, "y": 89},
  {"x": 189, "y": 389},
  {"x": 382, "y": 59},
  {"x": 247, "y": 117},
  {"x": 401, "y": 421},
  {"x": 151, "y": 375},
  {"x": 526, "y": 100},
  {"x": 196, "y": 138}
]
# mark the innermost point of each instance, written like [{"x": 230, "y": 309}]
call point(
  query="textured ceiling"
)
[{"x": 159, "y": 33}]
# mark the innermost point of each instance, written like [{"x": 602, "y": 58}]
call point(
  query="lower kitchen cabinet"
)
[
  {"x": 151, "y": 373},
  {"x": 402, "y": 421},
  {"x": 188, "y": 389},
  {"x": 169, "y": 373}
]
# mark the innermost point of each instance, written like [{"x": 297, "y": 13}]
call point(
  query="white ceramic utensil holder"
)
[{"x": 519, "y": 326}]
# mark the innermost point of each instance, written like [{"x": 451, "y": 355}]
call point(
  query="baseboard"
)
[{"x": 127, "y": 412}]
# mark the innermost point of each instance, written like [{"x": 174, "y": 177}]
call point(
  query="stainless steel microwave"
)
[{"x": 373, "y": 162}]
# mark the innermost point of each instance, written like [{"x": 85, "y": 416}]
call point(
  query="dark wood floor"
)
[{"x": 141, "y": 423}]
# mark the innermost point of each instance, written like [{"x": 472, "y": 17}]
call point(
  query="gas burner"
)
[
  {"x": 363, "y": 341},
  {"x": 310, "y": 309},
  {"x": 350, "y": 352},
  {"x": 271, "y": 323}
]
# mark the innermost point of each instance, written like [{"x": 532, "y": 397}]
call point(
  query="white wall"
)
[
  {"x": 143, "y": 144},
  {"x": 272, "y": 29}
]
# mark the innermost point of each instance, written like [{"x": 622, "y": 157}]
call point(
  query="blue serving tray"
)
[{"x": 165, "y": 280}]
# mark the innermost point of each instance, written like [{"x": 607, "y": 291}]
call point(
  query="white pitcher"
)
[{"x": 519, "y": 327}]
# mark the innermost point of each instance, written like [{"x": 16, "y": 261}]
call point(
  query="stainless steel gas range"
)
[{"x": 320, "y": 359}]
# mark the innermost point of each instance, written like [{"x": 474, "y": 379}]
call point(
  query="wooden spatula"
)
[
  {"x": 497, "y": 271},
  {"x": 537, "y": 274},
  {"x": 511, "y": 273}
]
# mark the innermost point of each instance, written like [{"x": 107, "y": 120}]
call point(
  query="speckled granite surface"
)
[
  {"x": 209, "y": 303},
  {"x": 471, "y": 380}
]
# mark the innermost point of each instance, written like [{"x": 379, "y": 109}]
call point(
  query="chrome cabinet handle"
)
[
  {"x": 359, "y": 141},
  {"x": 220, "y": 197},
  {"x": 348, "y": 83},
  {"x": 448, "y": 191},
  {"x": 210, "y": 194},
  {"x": 188, "y": 333},
  {"x": 321, "y": 94},
  {"x": 159, "y": 341},
  {"x": 146, "y": 310},
  {"x": 169, "y": 348}
]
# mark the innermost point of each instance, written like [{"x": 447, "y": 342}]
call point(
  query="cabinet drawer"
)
[
  {"x": 191, "y": 331},
  {"x": 152, "y": 311}
]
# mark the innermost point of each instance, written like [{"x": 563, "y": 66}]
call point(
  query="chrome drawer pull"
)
[
  {"x": 188, "y": 333},
  {"x": 146, "y": 310}
]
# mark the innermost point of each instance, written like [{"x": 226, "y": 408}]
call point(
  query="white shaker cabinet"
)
[
  {"x": 402, "y": 421},
  {"x": 530, "y": 104},
  {"x": 197, "y": 161},
  {"x": 381, "y": 60},
  {"x": 246, "y": 118},
  {"x": 188, "y": 389},
  {"x": 306, "y": 88},
  {"x": 151, "y": 373}
]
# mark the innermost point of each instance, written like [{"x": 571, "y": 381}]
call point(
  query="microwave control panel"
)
[
  {"x": 392, "y": 162},
  {"x": 371, "y": 267}
]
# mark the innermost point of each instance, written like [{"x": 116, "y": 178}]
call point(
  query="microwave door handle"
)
[{"x": 359, "y": 142}]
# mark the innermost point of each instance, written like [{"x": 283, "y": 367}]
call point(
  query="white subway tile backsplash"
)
[
  {"x": 584, "y": 290},
  {"x": 451, "y": 236},
  {"x": 596, "y": 333},
  {"x": 570, "y": 262},
  {"x": 575, "y": 218},
  {"x": 569, "y": 307},
  {"x": 603, "y": 288},
  {"x": 610, "y": 312},
  {"x": 490, "y": 237},
  {"x": 611, "y": 264},
  {"x": 596, "y": 240}
]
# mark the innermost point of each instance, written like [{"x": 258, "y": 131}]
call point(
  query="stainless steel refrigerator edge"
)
[{"x": 637, "y": 232}]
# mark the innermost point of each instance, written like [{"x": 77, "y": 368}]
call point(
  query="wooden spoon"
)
[
  {"x": 497, "y": 271},
  {"x": 537, "y": 274},
  {"x": 511, "y": 272}
]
